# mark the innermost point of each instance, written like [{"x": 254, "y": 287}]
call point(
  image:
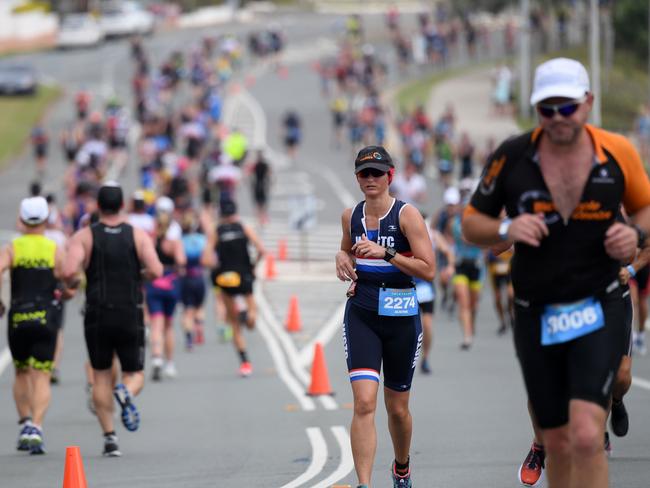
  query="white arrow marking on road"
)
[
  {"x": 290, "y": 350},
  {"x": 5, "y": 359},
  {"x": 346, "y": 464},
  {"x": 641, "y": 383},
  {"x": 318, "y": 457},
  {"x": 339, "y": 188},
  {"x": 324, "y": 335},
  {"x": 306, "y": 403}
]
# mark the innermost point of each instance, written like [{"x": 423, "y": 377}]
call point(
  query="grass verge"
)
[{"x": 18, "y": 116}]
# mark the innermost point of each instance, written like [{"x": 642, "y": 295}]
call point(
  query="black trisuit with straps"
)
[{"x": 114, "y": 320}]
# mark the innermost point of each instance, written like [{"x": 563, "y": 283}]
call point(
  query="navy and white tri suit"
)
[{"x": 370, "y": 338}]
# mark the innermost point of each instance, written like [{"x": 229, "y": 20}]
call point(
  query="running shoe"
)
[
  {"x": 111, "y": 449},
  {"x": 400, "y": 480},
  {"x": 36, "y": 445},
  {"x": 156, "y": 374},
  {"x": 608, "y": 445},
  {"x": 362, "y": 486},
  {"x": 619, "y": 420},
  {"x": 502, "y": 329},
  {"x": 424, "y": 367},
  {"x": 245, "y": 369},
  {"x": 532, "y": 469},
  {"x": 130, "y": 414},
  {"x": 189, "y": 341},
  {"x": 639, "y": 345},
  {"x": 465, "y": 346},
  {"x": 199, "y": 335},
  {"x": 24, "y": 437},
  {"x": 170, "y": 370}
]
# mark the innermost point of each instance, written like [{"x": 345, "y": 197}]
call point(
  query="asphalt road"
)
[{"x": 209, "y": 427}]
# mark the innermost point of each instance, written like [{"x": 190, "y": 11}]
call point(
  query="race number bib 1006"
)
[
  {"x": 397, "y": 302},
  {"x": 565, "y": 322}
]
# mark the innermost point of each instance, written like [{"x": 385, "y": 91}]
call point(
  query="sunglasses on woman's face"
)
[
  {"x": 566, "y": 109},
  {"x": 375, "y": 173}
]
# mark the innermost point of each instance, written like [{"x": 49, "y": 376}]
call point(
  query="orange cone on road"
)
[
  {"x": 320, "y": 381},
  {"x": 294, "y": 323},
  {"x": 270, "y": 267},
  {"x": 282, "y": 250},
  {"x": 73, "y": 475}
]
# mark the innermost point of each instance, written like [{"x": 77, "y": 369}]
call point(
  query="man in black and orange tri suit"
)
[{"x": 561, "y": 186}]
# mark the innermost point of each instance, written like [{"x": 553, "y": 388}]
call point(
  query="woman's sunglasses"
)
[
  {"x": 375, "y": 173},
  {"x": 566, "y": 109}
]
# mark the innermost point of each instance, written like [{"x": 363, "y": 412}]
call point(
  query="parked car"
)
[
  {"x": 79, "y": 30},
  {"x": 126, "y": 18},
  {"x": 17, "y": 80}
]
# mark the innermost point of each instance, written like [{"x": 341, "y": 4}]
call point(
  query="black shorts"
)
[
  {"x": 642, "y": 279},
  {"x": 40, "y": 150},
  {"x": 291, "y": 141},
  {"x": 584, "y": 368},
  {"x": 193, "y": 291},
  {"x": 116, "y": 143},
  {"x": 500, "y": 280},
  {"x": 31, "y": 334},
  {"x": 427, "y": 307},
  {"x": 370, "y": 340},
  {"x": 245, "y": 287},
  {"x": 118, "y": 331},
  {"x": 260, "y": 196}
]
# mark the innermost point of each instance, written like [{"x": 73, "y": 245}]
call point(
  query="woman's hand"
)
[
  {"x": 345, "y": 267},
  {"x": 368, "y": 249}
]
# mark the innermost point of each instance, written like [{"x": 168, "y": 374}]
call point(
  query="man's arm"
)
[
  {"x": 74, "y": 259},
  {"x": 259, "y": 247},
  {"x": 6, "y": 257},
  {"x": 152, "y": 267}
]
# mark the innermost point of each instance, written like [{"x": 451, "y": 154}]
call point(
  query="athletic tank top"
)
[
  {"x": 373, "y": 273},
  {"x": 167, "y": 260},
  {"x": 463, "y": 250},
  {"x": 113, "y": 274},
  {"x": 32, "y": 269},
  {"x": 193, "y": 244},
  {"x": 232, "y": 248}
]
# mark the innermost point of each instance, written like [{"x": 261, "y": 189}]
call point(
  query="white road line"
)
[
  {"x": 337, "y": 185},
  {"x": 5, "y": 359},
  {"x": 318, "y": 458},
  {"x": 306, "y": 403},
  {"x": 346, "y": 464},
  {"x": 641, "y": 383},
  {"x": 324, "y": 335},
  {"x": 291, "y": 351}
]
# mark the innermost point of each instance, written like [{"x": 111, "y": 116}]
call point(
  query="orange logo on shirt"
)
[{"x": 489, "y": 179}]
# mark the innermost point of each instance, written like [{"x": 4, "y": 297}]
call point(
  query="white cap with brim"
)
[
  {"x": 34, "y": 210},
  {"x": 559, "y": 77}
]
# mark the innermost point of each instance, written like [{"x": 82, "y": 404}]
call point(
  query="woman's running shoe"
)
[
  {"x": 24, "y": 437},
  {"x": 130, "y": 414},
  {"x": 401, "y": 480},
  {"x": 111, "y": 449},
  {"x": 245, "y": 369}
]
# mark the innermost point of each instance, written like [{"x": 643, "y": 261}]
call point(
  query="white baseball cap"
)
[
  {"x": 451, "y": 196},
  {"x": 559, "y": 77},
  {"x": 34, "y": 210},
  {"x": 164, "y": 205}
]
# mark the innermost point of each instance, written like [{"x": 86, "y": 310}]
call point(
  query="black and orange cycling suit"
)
[{"x": 569, "y": 266}]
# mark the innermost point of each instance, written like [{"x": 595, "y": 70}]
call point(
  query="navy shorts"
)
[
  {"x": 370, "y": 339},
  {"x": 193, "y": 291},
  {"x": 162, "y": 301}
]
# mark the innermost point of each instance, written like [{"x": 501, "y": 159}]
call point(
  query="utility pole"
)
[
  {"x": 524, "y": 60},
  {"x": 594, "y": 61}
]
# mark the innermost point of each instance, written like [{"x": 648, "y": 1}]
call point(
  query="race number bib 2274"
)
[{"x": 398, "y": 302}]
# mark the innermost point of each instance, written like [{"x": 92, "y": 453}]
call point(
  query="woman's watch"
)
[
  {"x": 642, "y": 236},
  {"x": 504, "y": 226},
  {"x": 389, "y": 253}
]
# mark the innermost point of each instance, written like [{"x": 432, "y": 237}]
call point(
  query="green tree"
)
[{"x": 631, "y": 26}]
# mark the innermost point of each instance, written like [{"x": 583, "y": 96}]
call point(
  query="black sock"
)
[
  {"x": 106, "y": 434},
  {"x": 24, "y": 419},
  {"x": 402, "y": 468},
  {"x": 243, "y": 356}
]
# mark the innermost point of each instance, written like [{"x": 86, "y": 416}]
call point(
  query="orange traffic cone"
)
[
  {"x": 73, "y": 475},
  {"x": 320, "y": 381},
  {"x": 282, "y": 250},
  {"x": 270, "y": 267},
  {"x": 294, "y": 323}
]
